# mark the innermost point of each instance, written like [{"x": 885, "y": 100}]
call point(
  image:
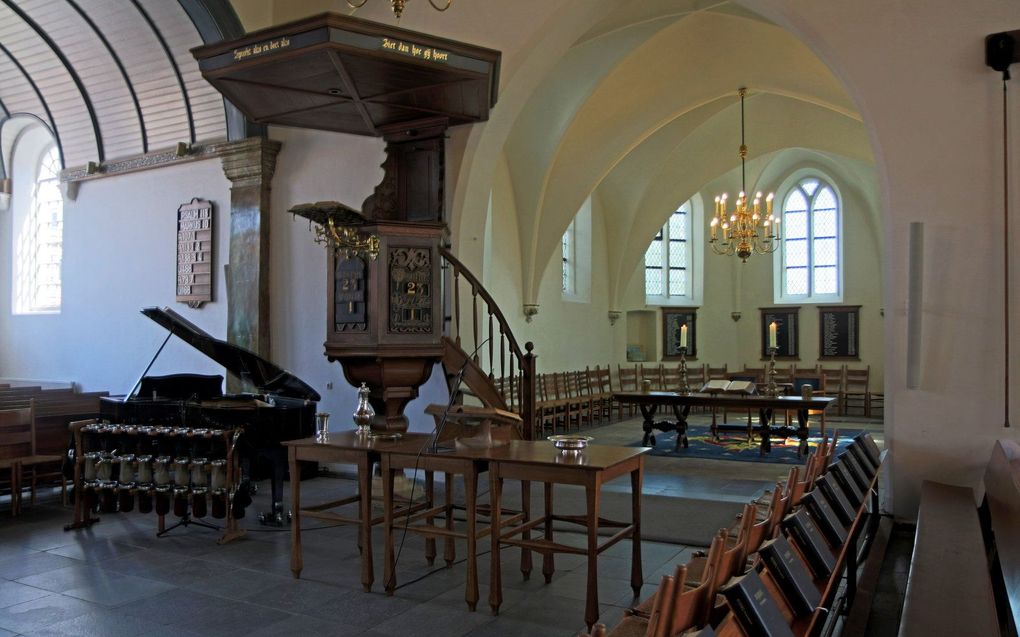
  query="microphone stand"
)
[{"x": 453, "y": 397}]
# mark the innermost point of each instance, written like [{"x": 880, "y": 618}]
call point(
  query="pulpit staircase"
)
[{"x": 480, "y": 350}]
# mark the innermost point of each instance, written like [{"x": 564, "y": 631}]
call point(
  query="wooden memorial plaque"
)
[
  {"x": 195, "y": 253},
  {"x": 839, "y": 331},
  {"x": 787, "y": 331},
  {"x": 672, "y": 320}
]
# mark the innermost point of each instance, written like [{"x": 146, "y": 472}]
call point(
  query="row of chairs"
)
[
  {"x": 570, "y": 400},
  {"x": 830, "y": 499},
  {"x": 19, "y": 455}
]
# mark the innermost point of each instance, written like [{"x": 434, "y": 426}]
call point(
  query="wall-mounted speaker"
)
[{"x": 915, "y": 299}]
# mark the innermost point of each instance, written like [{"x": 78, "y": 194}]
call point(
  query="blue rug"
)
[{"x": 733, "y": 445}]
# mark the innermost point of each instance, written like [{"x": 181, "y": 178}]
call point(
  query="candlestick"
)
[
  {"x": 684, "y": 388},
  {"x": 772, "y": 389}
]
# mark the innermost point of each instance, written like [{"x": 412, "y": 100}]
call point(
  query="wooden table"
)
[
  {"x": 681, "y": 404},
  {"x": 345, "y": 447},
  {"x": 541, "y": 462},
  {"x": 467, "y": 463}
]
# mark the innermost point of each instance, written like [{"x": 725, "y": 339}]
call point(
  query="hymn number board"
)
[
  {"x": 786, "y": 331},
  {"x": 672, "y": 321},
  {"x": 195, "y": 253}
]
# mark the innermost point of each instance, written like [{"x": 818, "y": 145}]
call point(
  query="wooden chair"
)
[
  {"x": 716, "y": 373},
  {"x": 576, "y": 390},
  {"x": 628, "y": 379},
  {"x": 817, "y": 383},
  {"x": 689, "y": 607},
  {"x": 654, "y": 375},
  {"x": 696, "y": 377},
  {"x": 600, "y": 392},
  {"x": 855, "y": 391},
  {"x": 833, "y": 378},
  {"x": 671, "y": 377},
  {"x": 18, "y": 452}
]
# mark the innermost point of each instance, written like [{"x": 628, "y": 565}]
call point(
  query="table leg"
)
[
  {"x": 471, "y": 495},
  {"x": 591, "y": 606},
  {"x": 526, "y": 512},
  {"x": 765, "y": 417},
  {"x": 430, "y": 540},
  {"x": 389, "y": 565},
  {"x": 636, "y": 576},
  {"x": 648, "y": 412},
  {"x": 365, "y": 523},
  {"x": 802, "y": 432},
  {"x": 449, "y": 552},
  {"x": 715, "y": 425},
  {"x": 295, "y": 522},
  {"x": 495, "y": 579},
  {"x": 548, "y": 562},
  {"x": 681, "y": 413}
]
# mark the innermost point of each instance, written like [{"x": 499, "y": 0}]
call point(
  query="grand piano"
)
[{"x": 279, "y": 406}]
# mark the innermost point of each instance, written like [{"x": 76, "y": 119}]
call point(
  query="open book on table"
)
[{"x": 729, "y": 387}]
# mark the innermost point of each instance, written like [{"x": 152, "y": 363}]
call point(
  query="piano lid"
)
[{"x": 244, "y": 363}]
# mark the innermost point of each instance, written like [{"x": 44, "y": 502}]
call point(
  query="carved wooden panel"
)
[
  {"x": 195, "y": 253},
  {"x": 410, "y": 271},
  {"x": 349, "y": 294}
]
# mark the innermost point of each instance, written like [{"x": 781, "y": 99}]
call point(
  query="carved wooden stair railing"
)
[{"x": 479, "y": 340}]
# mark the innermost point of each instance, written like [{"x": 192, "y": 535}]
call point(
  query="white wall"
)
[{"x": 120, "y": 254}]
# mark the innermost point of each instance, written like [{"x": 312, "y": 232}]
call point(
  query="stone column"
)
[{"x": 249, "y": 165}]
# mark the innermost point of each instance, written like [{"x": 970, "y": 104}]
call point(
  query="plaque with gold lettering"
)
[
  {"x": 195, "y": 253},
  {"x": 349, "y": 294},
  {"x": 410, "y": 290}
]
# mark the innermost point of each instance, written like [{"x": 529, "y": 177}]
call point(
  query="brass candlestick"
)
[
  {"x": 684, "y": 388},
  {"x": 771, "y": 389}
]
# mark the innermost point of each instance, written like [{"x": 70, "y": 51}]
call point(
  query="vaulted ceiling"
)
[{"x": 110, "y": 78}]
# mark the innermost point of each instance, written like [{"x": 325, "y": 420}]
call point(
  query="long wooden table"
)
[
  {"x": 344, "y": 447},
  {"x": 541, "y": 462},
  {"x": 649, "y": 403},
  {"x": 526, "y": 461}
]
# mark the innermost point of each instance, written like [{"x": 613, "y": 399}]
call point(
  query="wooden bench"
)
[
  {"x": 965, "y": 570},
  {"x": 948, "y": 589}
]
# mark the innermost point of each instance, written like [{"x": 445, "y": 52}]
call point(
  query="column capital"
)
[{"x": 251, "y": 161}]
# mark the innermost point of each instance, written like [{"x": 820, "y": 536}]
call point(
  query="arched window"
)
[
  {"x": 811, "y": 259},
  {"x": 669, "y": 259},
  {"x": 40, "y": 241},
  {"x": 575, "y": 250}
]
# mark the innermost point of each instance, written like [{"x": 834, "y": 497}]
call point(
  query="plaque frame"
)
[
  {"x": 788, "y": 346},
  {"x": 853, "y": 313},
  {"x": 672, "y": 319},
  {"x": 196, "y": 252}
]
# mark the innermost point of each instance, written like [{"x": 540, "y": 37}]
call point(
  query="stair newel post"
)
[{"x": 528, "y": 391}]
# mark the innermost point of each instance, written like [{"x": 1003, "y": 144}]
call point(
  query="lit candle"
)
[
  {"x": 683, "y": 336},
  {"x": 714, "y": 225},
  {"x": 772, "y": 334}
]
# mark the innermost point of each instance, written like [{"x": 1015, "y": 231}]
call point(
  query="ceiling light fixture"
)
[
  {"x": 745, "y": 230},
  {"x": 398, "y": 5}
]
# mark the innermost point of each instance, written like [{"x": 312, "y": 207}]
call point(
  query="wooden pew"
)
[
  {"x": 1002, "y": 508},
  {"x": 948, "y": 588}
]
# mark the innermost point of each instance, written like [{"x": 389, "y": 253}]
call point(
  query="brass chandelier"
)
[
  {"x": 398, "y": 5},
  {"x": 747, "y": 229}
]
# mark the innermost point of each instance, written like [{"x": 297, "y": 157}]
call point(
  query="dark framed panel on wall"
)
[
  {"x": 673, "y": 320},
  {"x": 787, "y": 331},
  {"x": 839, "y": 332}
]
